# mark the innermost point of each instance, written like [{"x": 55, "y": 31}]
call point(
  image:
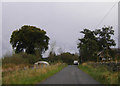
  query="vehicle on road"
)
[{"x": 76, "y": 62}]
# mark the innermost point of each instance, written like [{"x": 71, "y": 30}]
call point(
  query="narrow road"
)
[{"x": 70, "y": 75}]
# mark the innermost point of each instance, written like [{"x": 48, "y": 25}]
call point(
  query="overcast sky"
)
[{"x": 61, "y": 20}]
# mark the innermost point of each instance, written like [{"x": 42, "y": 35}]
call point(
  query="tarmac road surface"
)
[{"x": 70, "y": 75}]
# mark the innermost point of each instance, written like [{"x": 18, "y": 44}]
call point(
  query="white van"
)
[{"x": 76, "y": 62}]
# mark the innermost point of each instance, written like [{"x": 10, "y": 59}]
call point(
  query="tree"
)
[
  {"x": 104, "y": 37},
  {"x": 87, "y": 45},
  {"x": 29, "y": 39},
  {"x": 67, "y": 58},
  {"x": 94, "y": 42}
]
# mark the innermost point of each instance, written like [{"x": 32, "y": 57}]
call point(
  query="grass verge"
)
[
  {"x": 101, "y": 73},
  {"x": 31, "y": 76}
]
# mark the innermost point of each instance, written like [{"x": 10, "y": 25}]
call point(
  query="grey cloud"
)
[{"x": 62, "y": 21}]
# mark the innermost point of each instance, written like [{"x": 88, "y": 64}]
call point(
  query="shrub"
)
[
  {"x": 21, "y": 58},
  {"x": 29, "y": 57},
  {"x": 14, "y": 59}
]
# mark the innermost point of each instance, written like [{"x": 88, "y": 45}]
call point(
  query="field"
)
[
  {"x": 101, "y": 73},
  {"x": 31, "y": 76}
]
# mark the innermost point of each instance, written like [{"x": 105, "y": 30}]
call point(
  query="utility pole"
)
[
  {"x": 118, "y": 28},
  {"x": 119, "y": 25}
]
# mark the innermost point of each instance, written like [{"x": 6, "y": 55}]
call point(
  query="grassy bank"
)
[
  {"x": 0, "y": 75},
  {"x": 101, "y": 73},
  {"x": 31, "y": 76}
]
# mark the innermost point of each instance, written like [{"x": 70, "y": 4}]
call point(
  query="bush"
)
[
  {"x": 14, "y": 59},
  {"x": 21, "y": 58},
  {"x": 30, "y": 58}
]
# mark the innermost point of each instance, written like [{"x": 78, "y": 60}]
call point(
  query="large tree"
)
[
  {"x": 104, "y": 37},
  {"x": 104, "y": 40},
  {"x": 29, "y": 39},
  {"x": 87, "y": 45},
  {"x": 94, "y": 42}
]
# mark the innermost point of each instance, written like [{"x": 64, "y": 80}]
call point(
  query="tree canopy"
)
[
  {"x": 94, "y": 42},
  {"x": 87, "y": 45},
  {"x": 65, "y": 57},
  {"x": 29, "y": 39},
  {"x": 104, "y": 37}
]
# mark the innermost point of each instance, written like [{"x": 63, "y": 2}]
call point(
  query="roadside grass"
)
[
  {"x": 101, "y": 73},
  {"x": 0, "y": 75},
  {"x": 6, "y": 68},
  {"x": 31, "y": 76}
]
